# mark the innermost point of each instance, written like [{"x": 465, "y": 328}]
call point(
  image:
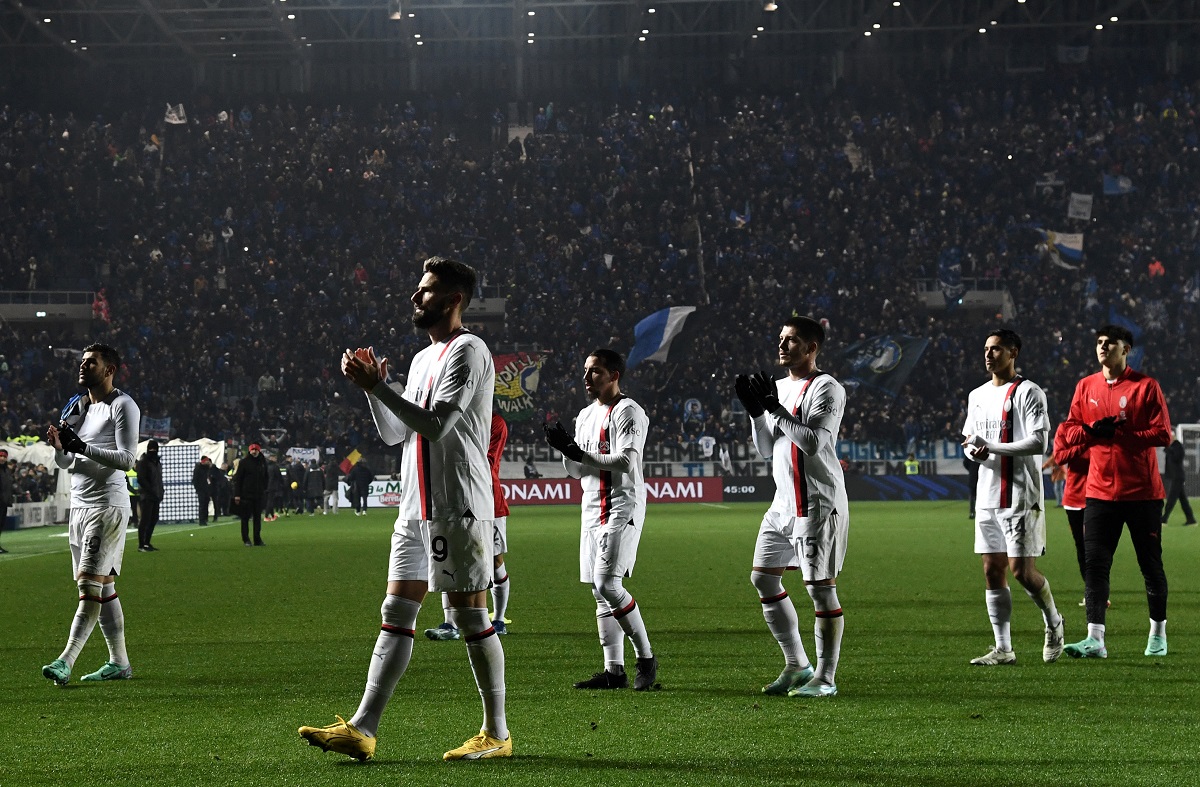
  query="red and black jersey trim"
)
[
  {"x": 799, "y": 479},
  {"x": 400, "y": 632},
  {"x": 424, "y": 450},
  {"x": 606, "y": 475},
  {"x": 1006, "y": 436},
  {"x": 774, "y": 599},
  {"x": 829, "y": 613}
]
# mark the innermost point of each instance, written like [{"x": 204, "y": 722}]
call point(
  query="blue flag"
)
[
  {"x": 1115, "y": 185},
  {"x": 653, "y": 335}
]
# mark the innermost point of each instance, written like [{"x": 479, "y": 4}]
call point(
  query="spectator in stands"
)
[{"x": 6, "y": 492}]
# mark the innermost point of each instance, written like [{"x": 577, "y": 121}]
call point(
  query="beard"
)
[{"x": 430, "y": 316}]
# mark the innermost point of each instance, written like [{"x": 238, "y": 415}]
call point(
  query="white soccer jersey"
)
[
  {"x": 803, "y": 448},
  {"x": 447, "y": 478},
  {"x": 611, "y": 496},
  {"x": 1014, "y": 412},
  {"x": 110, "y": 428}
]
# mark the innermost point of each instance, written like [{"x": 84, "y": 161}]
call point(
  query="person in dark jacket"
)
[
  {"x": 202, "y": 483},
  {"x": 358, "y": 481},
  {"x": 314, "y": 486},
  {"x": 250, "y": 482},
  {"x": 1175, "y": 490},
  {"x": 329, "y": 495},
  {"x": 276, "y": 484},
  {"x": 151, "y": 492}
]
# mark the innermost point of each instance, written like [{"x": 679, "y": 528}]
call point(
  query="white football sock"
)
[
  {"x": 781, "y": 618},
  {"x": 612, "y": 638},
  {"x": 625, "y": 611},
  {"x": 1158, "y": 628},
  {"x": 446, "y": 608},
  {"x": 389, "y": 660},
  {"x": 112, "y": 625},
  {"x": 86, "y": 615},
  {"x": 1096, "y": 632},
  {"x": 999, "y": 607},
  {"x": 500, "y": 591},
  {"x": 487, "y": 664},
  {"x": 1045, "y": 601},
  {"x": 827, "y": 630}
]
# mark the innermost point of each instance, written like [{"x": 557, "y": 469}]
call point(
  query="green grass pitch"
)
[{"x": 234, "y": 648}]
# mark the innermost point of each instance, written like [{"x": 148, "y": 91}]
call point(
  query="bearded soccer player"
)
[
  {"x": 605, "y": 454},
  {"x": 795, "y": 425},
  {"x": 96, "y": 442},
  {"x": 1120, "y": 417},
  {"x": 443, "y": 534},
  {"x": 1006, "y": 432}
]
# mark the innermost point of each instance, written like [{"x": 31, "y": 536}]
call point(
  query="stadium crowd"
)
[{"x": 236, "y": 255}]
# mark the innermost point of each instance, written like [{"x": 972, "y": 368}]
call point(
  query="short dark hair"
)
[
  {"x": 609, "y": 359},
  {"x": 107, "y": 354},
  {"x": 1115, "y": 332},
  {"x": 807, "y": 329},
  {"x": 151, "y": 443},
  {"x": 455, "y": 274},
  {"x": 1007, "y": 337}
]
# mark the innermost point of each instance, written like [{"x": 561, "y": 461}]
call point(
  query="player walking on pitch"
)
[
  {"x": 795, "y": 424},
  {"x": 440, "y": 543},
  {"x": 1006, "y": 432},
  {"x": 96, "y": 442},
  {"x": 606, "y": 455}
]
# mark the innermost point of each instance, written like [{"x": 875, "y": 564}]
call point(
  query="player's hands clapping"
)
[
  {"x": 362, "y": 368},
  {"x": 559, "y": 440},
  {"x": 763, "y": 386},
  {"x": 745, "y": 394}
]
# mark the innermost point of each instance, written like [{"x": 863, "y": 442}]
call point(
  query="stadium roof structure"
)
[{"x": 91, "y": 33}]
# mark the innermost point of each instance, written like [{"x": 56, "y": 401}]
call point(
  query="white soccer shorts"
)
[
  {"x": 97, "y": 538},
  {"x": 451, "y": 555},
  {"x": 1018, "y": 532},
  {"x": 500, "y": 540},
  {"x": 816, "y": 546},
  {"x": 608, "y": 550}
]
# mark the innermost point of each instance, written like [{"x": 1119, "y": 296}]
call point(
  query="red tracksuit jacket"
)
[{"x": 1125, "y": 467}]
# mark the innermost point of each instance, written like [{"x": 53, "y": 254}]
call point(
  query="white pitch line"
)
[{"x": 715, "y": 505}]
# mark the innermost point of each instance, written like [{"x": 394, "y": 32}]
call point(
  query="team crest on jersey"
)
[
  {"x": 1008, "y": 405},
  {"x": 1124, "y": 401}
]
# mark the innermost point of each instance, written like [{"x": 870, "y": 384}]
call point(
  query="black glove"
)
[
  {"x": 69, "y": 439},
  {"x": 1105, "y": 428},
  {"x": 763, "y": 386},
  {"x": 558, "y": 439},
  {"x": 741, "y": 387}
]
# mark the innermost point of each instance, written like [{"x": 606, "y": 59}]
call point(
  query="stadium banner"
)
[
  {"x": 156, "y": 428},
  {"x": 557, "y": 491},
  {"x": 22, "y": 515},
  {"x": 1080, "y": 207},
  {"x": 884, "y": 362},
  {"x": 517, "y": 376}
]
